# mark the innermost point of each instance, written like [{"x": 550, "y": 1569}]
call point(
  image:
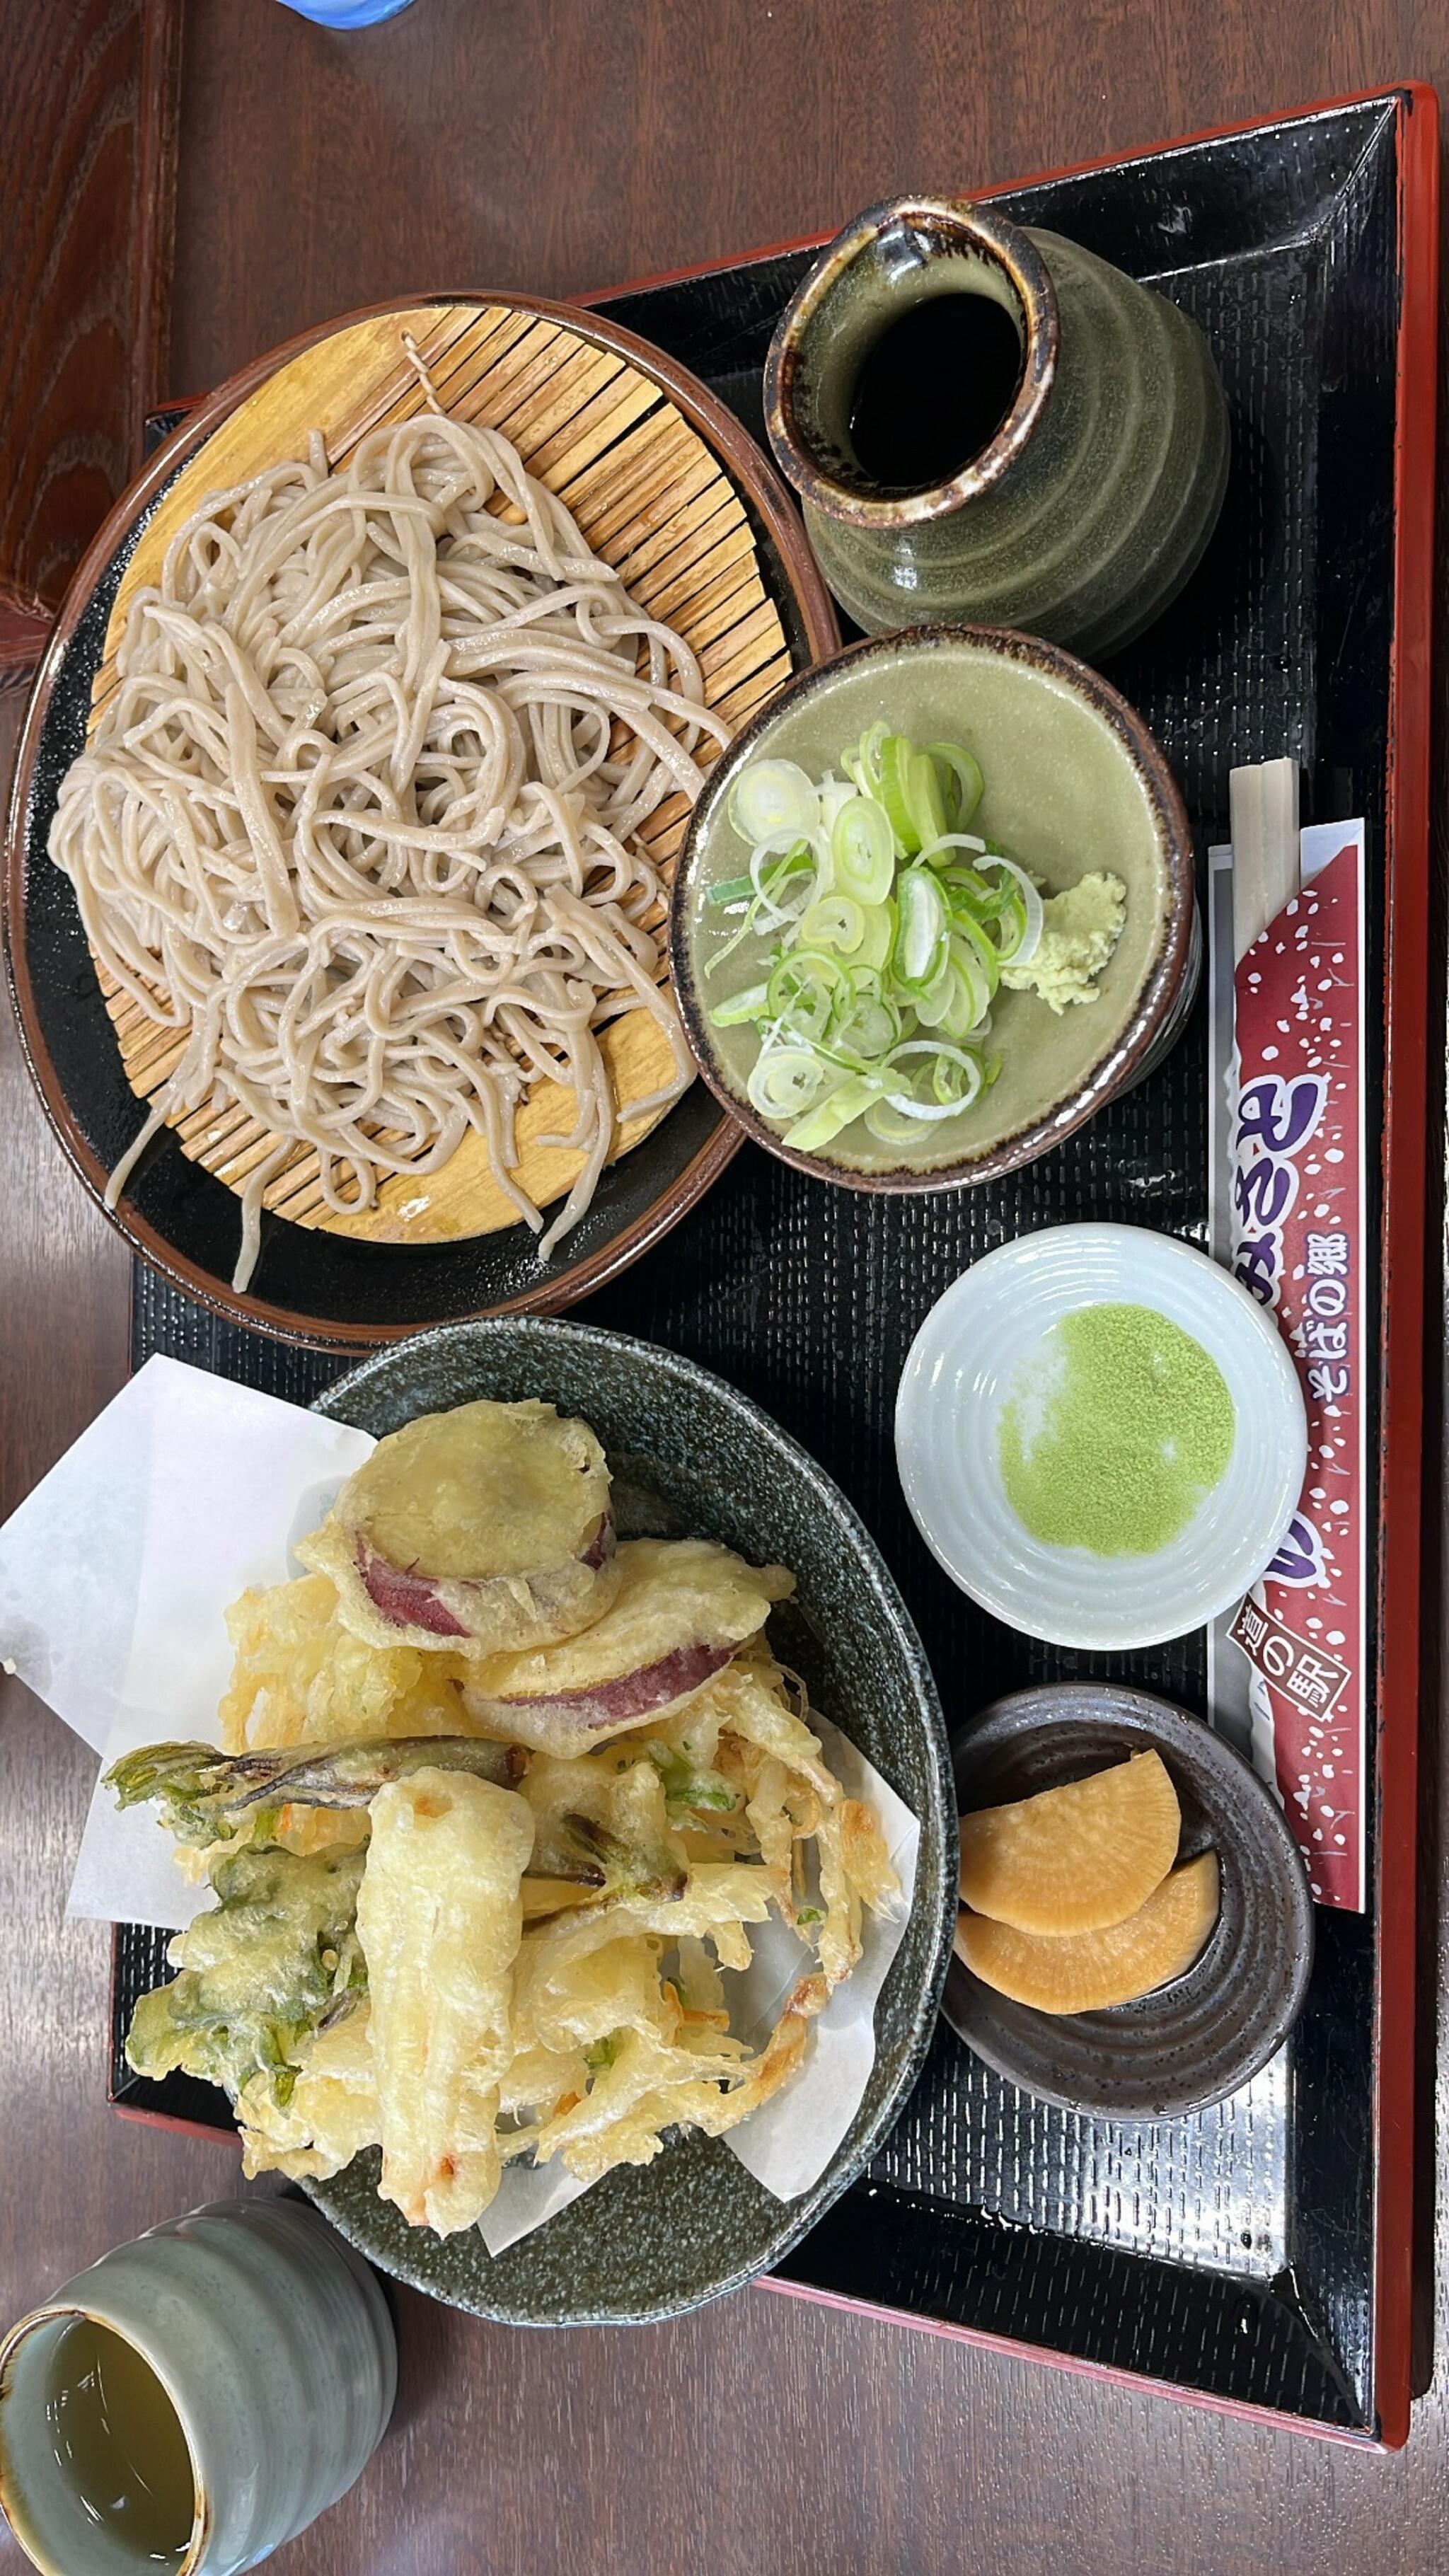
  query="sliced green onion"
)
[
  {"x": 922, "y": 929},
  {"x": 963, "y": 1000},
  {"x": 801, "y": 998},
  {"x": 1011, "y": 926},
  {"x": 773, "y": 871},
  {"x": 967, "y": 1006},
  {"x": 955, "y": 1078},
  {"x": 967, "y": 775},
  {"x": 883, "y": 926},
  {"x": 984, "y": 899},
  {"x": 930, "y": 1000},
  {"x": 822, "y": 1124},
  {"x": 730, "y": 890},
  {"x": 774, "y": 796},
  {"x": 752, "y": 1004},
  {"x": 771, "y": 874},
  {"x": 862, "y": 766},
  {"x": 1033, "y": 921},
  {"x": 806, "y": 970},
  {"x": 787, "y": 1080},
  {"x": 834, "y": 921},
  {"x": 954, "y": 1074},
  {"x": 896, "y": 754},
  {"x": 889, "y": 1127},
  {"x": 834, "y": 793},
  {"x": 869, "y": 1028},
  {"x": 924, "y": 798},
  {"x": 878, "y": 938},
  {"x": 932, "y": 851},
  {"x": 967, "y": 936},
  {"x": 862, "y": 850}
]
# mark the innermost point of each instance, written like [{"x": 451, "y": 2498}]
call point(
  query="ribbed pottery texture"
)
[{"x": 1106, "y": 510}]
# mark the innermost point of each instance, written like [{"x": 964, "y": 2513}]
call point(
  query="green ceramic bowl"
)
[
  {"x": 1074, "y": 782},
  {"x": 689, "y": 1454}
]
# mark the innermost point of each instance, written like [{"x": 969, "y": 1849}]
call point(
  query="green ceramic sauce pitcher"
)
[{"x": 1093, "y": 500}]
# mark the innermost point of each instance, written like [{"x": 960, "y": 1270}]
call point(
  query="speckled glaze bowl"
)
[
  {"x": 689, "y": 1455},
  {"x": 1074, "y": 781},
  {"x": 1196, "y": 2041},
  {"x": 1094, "y": 500}
]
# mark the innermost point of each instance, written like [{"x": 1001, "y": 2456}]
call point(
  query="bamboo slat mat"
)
[{"x": 652, "y": 499}]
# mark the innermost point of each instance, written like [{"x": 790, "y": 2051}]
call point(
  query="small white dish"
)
[{"x": 960, "y": 1373}]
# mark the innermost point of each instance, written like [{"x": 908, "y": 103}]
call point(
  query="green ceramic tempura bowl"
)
[
  {"x": 689, "y": 1454},
  {"x": 1074, "y": 782}
]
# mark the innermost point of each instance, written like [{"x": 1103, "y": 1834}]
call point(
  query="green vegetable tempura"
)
[
  {"x": 207, "y": 1797},
  {"x": 275, "y": 1955}
]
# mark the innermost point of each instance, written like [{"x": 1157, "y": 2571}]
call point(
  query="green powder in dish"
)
[{"x": 1115, "y": 1431}]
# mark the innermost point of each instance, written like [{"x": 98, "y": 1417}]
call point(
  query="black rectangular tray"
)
[{"x": 1256, "y": 2255}]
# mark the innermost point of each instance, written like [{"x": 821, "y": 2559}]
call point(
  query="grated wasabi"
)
[{"x": 1115, "y": 1432}]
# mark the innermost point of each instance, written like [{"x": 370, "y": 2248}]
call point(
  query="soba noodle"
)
[{"x": 358, "y": 824}]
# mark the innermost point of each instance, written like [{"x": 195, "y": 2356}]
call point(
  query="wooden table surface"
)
[{"x": 568, "y": 144}]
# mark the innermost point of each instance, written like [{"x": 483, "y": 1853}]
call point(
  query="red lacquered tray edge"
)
[
  {"x": 1405, "y": 1187},
  {"x": 1402, "y": 1355}
]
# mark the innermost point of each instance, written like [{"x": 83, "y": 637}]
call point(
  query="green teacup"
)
[{"x": 195, "y": 2399}]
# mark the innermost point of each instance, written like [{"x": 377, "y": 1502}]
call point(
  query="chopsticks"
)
[{"x": 1263, "y": 806}]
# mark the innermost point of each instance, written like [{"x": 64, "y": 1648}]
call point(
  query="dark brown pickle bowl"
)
[{"x": 1199, "y": 2039}]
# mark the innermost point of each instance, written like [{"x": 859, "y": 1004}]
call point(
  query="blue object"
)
[{"x": 346, "y": 13}]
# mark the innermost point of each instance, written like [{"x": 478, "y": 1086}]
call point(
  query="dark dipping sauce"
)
[{"x": 934, "y": 390}]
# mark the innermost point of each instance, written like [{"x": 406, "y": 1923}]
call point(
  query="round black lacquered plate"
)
[{"x": 311, "y": 1286}]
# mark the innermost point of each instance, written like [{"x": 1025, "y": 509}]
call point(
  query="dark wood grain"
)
[
  {"x": 559, "y": 144},
  {"x": 87, "y": 152}
]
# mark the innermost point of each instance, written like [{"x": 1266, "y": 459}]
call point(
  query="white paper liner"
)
[{"x": 114, "y": 1575}]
